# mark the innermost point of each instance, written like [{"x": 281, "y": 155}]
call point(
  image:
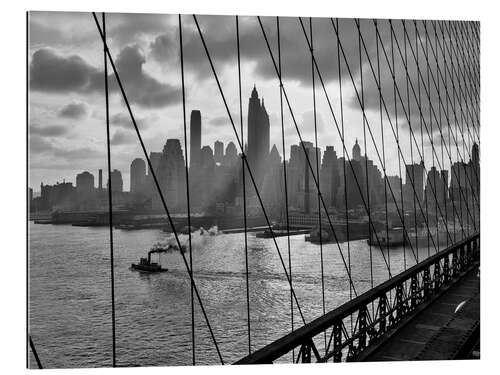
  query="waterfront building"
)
[
  {"x": 137, "y": 176},
  {"x": 116, "y": 181},
  {"x": 84, "y": 183}
]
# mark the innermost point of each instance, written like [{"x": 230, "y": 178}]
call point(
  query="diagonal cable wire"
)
[
  {"x": 110, "y": 201},
  {"x": 188, "y": 200},
  {"x": 155, "y": 179},
  {"x": 244, "y": 188},
  {"x": 246, "y": 162}
]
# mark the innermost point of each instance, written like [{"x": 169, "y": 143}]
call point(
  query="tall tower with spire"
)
[
  {"x": 356, "y": 151},
  {"x": 258, "y": 136}
]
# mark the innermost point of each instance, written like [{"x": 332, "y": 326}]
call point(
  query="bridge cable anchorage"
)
[
  {"x": 261, "y": 203},
  {"x": 155, "y": 179},
  {"x": 35, "y": 354},
  {"x": 317, "y": 172},
  {"x": 283, "y": 147},
  {"x": 419, "y": 74},
  {"x": 110, "y": 194},
  {"x": 181, "y": 49},
  {"x": 244, "y": 187}
]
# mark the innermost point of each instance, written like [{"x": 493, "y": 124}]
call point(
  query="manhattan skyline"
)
[{"x": 67, "y": 126}]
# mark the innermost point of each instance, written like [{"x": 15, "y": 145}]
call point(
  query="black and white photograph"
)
[{"x": 234, "y": 189}]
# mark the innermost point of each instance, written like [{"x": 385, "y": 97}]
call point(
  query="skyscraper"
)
[
  {"x": 137, "y": 175},
  {"x": 100, "y": 180},
  {"x": 84, "y": 183},
  {"x": 171, "y": 176},
  {"x": 218, "y": 151},
  {"x": 258, "y": 136},
  {"x": 116, "y": 181},
  {"x": 356, "y": 151},
  {"x": 195, "y": 138}
]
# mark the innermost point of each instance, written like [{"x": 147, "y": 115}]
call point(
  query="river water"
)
[{"x": 70, "y": 298}]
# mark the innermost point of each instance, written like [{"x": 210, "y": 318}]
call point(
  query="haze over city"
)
[{"x": 67, "y": 125}]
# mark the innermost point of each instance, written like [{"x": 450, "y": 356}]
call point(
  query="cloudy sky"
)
[{"x": 67, "y": 130}]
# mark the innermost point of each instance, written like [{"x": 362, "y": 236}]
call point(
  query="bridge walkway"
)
[{"x": 437, "y": 332}]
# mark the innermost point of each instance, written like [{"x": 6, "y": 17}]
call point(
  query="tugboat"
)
[{"x": 146, "y": 265}]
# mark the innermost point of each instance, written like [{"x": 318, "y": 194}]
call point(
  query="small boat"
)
[{"x": 146, "y": 265}]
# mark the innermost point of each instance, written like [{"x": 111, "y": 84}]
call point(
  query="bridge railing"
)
[{"x": 364, "y": 320}]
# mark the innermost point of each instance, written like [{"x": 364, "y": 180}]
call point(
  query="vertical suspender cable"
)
[
  {"x": 283, "y": 146},
  {"x": 443, "y": 197},
  {"x": 317, "y": 172},
  {"x": 431, "y": 132},
  {"x": 156, "y": 182},
  {"x": 188, "y": 200},
  {"x": 367, "y": 175},
  {"x": 343, "y": 158},
  {"x": 243, "y": 178},
  {"x": 403, "y": 222},
  {"x": 110, "y": 202},
  {"x": 386, "y": 180}
]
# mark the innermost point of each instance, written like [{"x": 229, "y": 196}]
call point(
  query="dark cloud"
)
[
  {"x": 220, "y": 35},
  {"x": 74, "y": 110},
  {"x": 48, "y": 130},
  {"x": 142, "y": 88},
  {"x": 51, "y": 72}
]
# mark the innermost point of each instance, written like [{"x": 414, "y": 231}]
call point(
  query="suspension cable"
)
[
  {"x": 207, "y": 52},
  {"x": 317, "y": 156},
  {"x": 419, "y": 73},
  {"x": 110, "y": 194},
  {"x": 35, "y": 354},
  {"x": 244, "y": 188},
  {"x": 157, "y": 184},
  {"x": 283, "y": 147},
  {"x": 308, "y": 161},
  {"x": 181, "y": 49},
  {"x": 360, "y": 189}
]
